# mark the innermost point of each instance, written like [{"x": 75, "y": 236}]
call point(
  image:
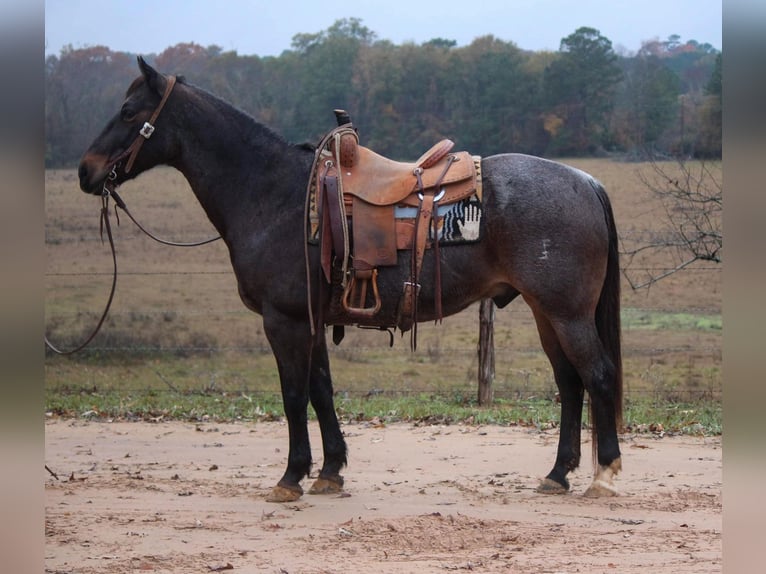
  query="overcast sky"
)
[{"x": 266, "y": 28}]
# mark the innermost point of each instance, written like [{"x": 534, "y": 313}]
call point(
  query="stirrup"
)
[{"x": 361, "y": 310}]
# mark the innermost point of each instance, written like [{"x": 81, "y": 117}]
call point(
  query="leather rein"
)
[{"x": 110, "y": 190}]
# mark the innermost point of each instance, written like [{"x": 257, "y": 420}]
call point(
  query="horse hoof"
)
[
  {"x": 284, "y": 494},
  {"x": 603, "y": 482},
  {"x": 600, "y": 489},
  {"x": 327, "y": 485},
  {"x": 548, "y": 486}
]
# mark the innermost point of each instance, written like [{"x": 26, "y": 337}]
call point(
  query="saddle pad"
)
[{"x": 458, "y": 223}]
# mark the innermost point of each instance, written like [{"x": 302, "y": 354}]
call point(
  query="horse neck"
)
[{"x": 240, "y": 171}]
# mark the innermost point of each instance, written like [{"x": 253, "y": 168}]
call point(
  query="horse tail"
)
[{"x": 608, "y": 310}]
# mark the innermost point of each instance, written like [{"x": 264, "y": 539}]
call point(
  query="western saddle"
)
[{"x": 357, "y": 193}]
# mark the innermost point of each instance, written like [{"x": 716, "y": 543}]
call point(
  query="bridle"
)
[
  {"x": 110, "y": 190},
  {"x": 146, "y": 130}
]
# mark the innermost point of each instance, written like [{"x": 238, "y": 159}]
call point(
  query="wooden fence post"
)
[{"x": 486, "y": 351}]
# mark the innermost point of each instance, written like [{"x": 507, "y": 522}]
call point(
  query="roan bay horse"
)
[{"x": 549, "y": 236}]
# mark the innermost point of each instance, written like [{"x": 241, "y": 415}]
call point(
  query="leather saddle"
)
[{"x": 357, "y": 194}]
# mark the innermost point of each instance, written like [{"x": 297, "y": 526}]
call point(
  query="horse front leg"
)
[
  {"x": 291, "y": 344},
  {"x": 330, "y": 480}
]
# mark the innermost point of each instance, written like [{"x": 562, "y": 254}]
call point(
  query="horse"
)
[{"x": 549, "y": 236}]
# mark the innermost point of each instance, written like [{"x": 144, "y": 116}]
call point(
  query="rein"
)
[
  {"x": 119, "y": 202},
  {"x": 104, "y": 224},
  {"x": 110, "y": 190}
]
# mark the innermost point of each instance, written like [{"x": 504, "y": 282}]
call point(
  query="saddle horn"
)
[{"x": 342, "y": 117}]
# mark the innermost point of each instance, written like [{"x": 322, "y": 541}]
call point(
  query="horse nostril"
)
[{"x": 82, "y": 172}]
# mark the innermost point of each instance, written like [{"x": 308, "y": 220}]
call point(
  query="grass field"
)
[{"x": 178, "y": 336}]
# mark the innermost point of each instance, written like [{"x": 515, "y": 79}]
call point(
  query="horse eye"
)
[{"x": 127, "y": 115}]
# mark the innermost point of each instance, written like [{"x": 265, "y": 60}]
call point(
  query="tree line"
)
[{"x": 489, "y": 97}]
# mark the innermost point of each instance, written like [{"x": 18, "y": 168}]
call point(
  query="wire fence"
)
[{"x": 671, "y": 354}]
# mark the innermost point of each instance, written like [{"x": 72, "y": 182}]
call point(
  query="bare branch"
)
[
  {"x": 691, "y": 197},
  {"x": 654, "y": 278}
]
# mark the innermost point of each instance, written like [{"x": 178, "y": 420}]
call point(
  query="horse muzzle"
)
[{"x": 93, "y": 172}]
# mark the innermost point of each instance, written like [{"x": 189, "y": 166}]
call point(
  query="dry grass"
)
[{"x": 177, "y": 319}]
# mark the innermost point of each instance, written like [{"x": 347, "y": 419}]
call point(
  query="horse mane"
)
[{"x": 250, "y": 126}]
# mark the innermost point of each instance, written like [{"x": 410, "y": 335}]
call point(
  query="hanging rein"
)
[{"x": 110, "y": 190}]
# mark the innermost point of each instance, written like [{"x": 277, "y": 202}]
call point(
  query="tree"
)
[
  {"x": 488, "y": 96},
  {"x": 650, "y": 101},
  {"x": 580, "y": 87},
  {"x": 82, "y": 91},
  {"x": 709, "y": 142},
  {"x": 187, "y": 58},
  {"x": 491, "y": 96},
  {"x": 401, "y": 94},
  {"x": 441, "y": 43},
  {"x": 327, "y": 62}
]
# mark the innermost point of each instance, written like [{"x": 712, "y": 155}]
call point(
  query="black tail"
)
[{"x": 608, "y": 310}]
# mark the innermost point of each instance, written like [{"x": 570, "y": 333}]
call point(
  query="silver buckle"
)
[
  {"x": 437, "y": 198},
  {"x": 147, "y": 130}
]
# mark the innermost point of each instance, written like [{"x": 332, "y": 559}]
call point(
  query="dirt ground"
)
[{"x": 178, "y": 497}]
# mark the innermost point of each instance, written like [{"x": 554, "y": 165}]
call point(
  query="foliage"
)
[
  {"x": 489, "y": 96},
  {"x": 82, "y": 89},
  {"x": 649, "y": 96},
  {"x": 580, "y": 87},
  {"x": 710, "y": 136}
]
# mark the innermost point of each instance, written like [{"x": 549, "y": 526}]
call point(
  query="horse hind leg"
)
[
  {"x": 571, "y": 393},
  {"x": 580, "y": 362},
  {"x": 583, "y": 347}
]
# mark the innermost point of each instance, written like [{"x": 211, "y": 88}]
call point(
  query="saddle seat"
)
[{"x": 378, "y": 180}]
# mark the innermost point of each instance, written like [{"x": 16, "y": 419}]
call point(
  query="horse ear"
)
[
  {"x": 145, "y": 68},
  {"x": 153, "y": 78}
]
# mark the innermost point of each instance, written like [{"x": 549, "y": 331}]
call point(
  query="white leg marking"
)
[{"x": 603, "y": 481}]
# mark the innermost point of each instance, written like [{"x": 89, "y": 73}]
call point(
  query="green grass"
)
[
  {"x": 657, "y": 321},
  {"x": 138, "y": 375},
  {"x": 642, "y": 414}
]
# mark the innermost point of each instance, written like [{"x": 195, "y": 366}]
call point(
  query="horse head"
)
[{"x": 114, "y": 154}]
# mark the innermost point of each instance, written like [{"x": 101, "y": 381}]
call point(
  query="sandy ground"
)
[{"x": 183, "y": 498}]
